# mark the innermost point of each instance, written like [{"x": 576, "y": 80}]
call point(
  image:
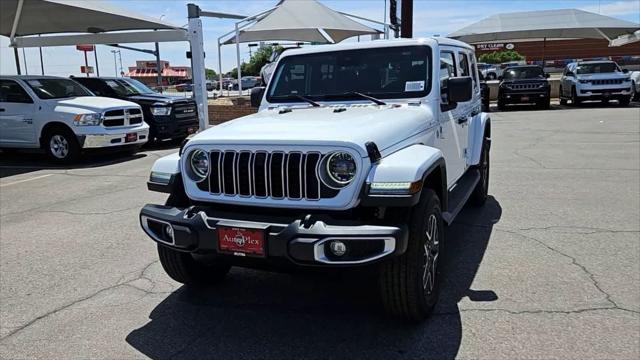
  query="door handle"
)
[{"x": 463, "y": 120}]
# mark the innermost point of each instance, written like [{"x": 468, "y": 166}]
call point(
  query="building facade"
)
[{"x": 146, "y": 72}]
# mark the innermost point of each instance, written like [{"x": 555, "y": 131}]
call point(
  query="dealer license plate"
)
[
  {"x": 131, "y": 137},
  {"x": 524, "y": 98},
  {"x": 241, "y": 241}
]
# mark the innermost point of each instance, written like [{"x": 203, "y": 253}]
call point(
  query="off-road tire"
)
[
  {"x": 544, "y": 104},
  {"x": 73, "y": 150},
  {"x": 403, "y": 290},
  {"x": 624, "y": 101},
  {"x": 479, "y": 195},
  {"x": 501, "y": 105},
  {"x": 575, "y": 100},
  {"x": 183, "y": 268},
  {"x": 635, "y": 95}
]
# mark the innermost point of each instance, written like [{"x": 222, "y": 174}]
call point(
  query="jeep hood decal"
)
[{"x": 384, "y": 125}]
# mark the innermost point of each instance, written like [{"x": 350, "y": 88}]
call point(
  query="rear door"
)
[
  {"x": 448, "y": 140},
  {"x": 17, "y": 110}
]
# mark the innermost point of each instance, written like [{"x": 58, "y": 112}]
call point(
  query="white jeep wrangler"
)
[{"x": 360, "y": 155}]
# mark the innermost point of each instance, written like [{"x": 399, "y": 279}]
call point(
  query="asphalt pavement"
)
[{"x": 548, "y": 268}]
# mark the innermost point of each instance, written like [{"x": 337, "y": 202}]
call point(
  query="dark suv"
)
[
  {"x": 524, "y": 84},
  {"x": 168, "y": 117}
]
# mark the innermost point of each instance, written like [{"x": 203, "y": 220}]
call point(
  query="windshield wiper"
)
[
  {"x": 296, "y": 96},
  {"x": 359, "y": 94}
]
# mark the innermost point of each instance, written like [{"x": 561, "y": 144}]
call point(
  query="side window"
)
[
  {"x": 447, "y": 70},
  {"x": 12, "y": 92},
  {"x": 464, "y": 64},
  {"x": 474, "y": 71}
]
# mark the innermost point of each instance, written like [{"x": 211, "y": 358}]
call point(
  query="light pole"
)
[{"x": 115, "y": 62}]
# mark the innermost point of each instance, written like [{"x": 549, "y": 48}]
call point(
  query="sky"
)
[{"x": 430, "y": 17}]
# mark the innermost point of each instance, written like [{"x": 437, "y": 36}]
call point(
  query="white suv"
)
[
  {"x": 359, "y": 156},
  {"x": 62, "y": 117},
  {"x": 595, "y": 80}
]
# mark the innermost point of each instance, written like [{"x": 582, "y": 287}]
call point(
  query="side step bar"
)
[{"x": 459, "y": 195}]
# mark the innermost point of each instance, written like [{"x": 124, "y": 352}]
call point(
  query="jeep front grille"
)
[
  {"x": 524, "y": 86},
  {"x": 606, "y": 82},
  {"x": 262, "y": 174},
  {"x": 122, "y": 117}
]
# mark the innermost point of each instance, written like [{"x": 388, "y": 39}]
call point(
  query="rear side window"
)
[
  {"x": 12, "y": 92},
  {"x": 464, "y": 64},
  {"x": 447, "y": 70},
  {"x": 474, "y": 71}
]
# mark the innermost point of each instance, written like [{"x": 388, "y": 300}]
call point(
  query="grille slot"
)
[
  {"x": 262, "y": 174},
  {"x": 524, "y": 86},
  {"x": 607, "y": 82},
  {"x": 122, "y": 117}
]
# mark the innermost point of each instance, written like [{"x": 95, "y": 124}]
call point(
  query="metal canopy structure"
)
[
  {"x": 302, "y": 20},
  {"x": 296, "y": 20},
  {"x": 564, "y": 23},
  {"x": 73, "y": 22}
]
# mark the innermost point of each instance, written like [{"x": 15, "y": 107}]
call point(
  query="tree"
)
[
  {"x": 210, "y": 74},
  {"x": 255, "y": 64},
  {"x": 498, "y": 57}
]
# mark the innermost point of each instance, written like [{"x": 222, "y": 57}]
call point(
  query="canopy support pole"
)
[
  {"x": 239, "y": 64},
  {"x": 158, "y": 68},
  {"x": 95, "y": 56},
  {"x": 197, "y": 60},
  {"x": 220, "y": 65},
  {"x": 17, "y": 59},
  {"x": 544, "y": 45}
]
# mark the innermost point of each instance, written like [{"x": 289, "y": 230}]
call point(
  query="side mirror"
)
[
  {"x": 460, "y": 89},
  {"x": 625, "y": 71},
  {"x": 500, "y": 78},
  {"x": 546, "y": 75},
  {"x": 256, "y": 96}
]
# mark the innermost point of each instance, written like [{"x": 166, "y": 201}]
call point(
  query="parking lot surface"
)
[{"x": 548, "y": 268}]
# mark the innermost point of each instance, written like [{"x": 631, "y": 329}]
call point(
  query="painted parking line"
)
[{"x": 25, "y": 180}]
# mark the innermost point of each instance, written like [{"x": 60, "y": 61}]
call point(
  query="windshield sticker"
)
[
  {"x": 35, "y": 83},
  {"x": 414, "y": 86},
  {"x": 112, "y": 83}
]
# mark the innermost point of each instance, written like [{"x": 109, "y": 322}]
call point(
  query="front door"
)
[{"x": 16, "y": 116}]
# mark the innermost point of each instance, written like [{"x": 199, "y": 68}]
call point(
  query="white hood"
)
[
  {"x": 353, "y": 127},
  {"x": 94, "y": 103},
  {"x": 603, "y": 76}
]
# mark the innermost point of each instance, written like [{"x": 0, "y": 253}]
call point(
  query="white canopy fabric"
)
[
  {"x": 71, "y": 16},
  {"x": 303, "y": 20},
  {"x": 564, "y": 23}
]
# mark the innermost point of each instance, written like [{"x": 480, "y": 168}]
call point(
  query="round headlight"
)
[
  {"x": 341, "y": 168},
  {"x": 199, "y": 163}
]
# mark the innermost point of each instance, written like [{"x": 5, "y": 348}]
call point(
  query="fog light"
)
[
  {"x": 168, "y": 230},
  {"x": 338, "y": 248}
]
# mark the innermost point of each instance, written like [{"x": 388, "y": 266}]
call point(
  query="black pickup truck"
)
[
  {"x": 524, "y": 84},
  {"x": 169, "y": 117}
]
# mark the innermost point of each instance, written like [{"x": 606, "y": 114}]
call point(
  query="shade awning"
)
[
  {"x": 564, "y": 23},
  {"x": 303, "y": 20},
  {"x": 72, "y": 16}
]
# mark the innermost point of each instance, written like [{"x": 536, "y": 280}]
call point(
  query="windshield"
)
[
  {"x": 395, "y": 72},
  {"x": 128, "y": 87},
  {"x": 596, "y": 68},
  {"x": 57, "y": 88},
  {"x": 532, "y": 72},
  {"x": 139, "y": 87}
]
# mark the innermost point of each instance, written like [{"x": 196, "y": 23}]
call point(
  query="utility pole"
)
[
  {"x": 406, "y": 14},
  {"x": 120, "y": 59},
  {"x": 24, "y": 57}
]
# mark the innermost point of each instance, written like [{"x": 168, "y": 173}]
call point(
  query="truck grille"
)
[
  {"x": 606, "y": 82},
  {"x": 122, "y": 117},
  {"x": 263, "y": 174},
  {"x": 183, "y": 111},
  {"x": 524, "y": 86}
]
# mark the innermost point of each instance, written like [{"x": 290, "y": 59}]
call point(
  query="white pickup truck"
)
[
  {"x": 63, "y": 118},
  {"x": 360, "y": 154}
]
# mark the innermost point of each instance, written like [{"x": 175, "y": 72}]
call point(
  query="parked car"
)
[
  {"x": 248, "y": 82},
  {"x": 500, "y": 68},
  {"x": 184, "y": 87},
  {"x": 524, "y": 84},
  {"x": 595, "y": 80},
  {"x": 63, "y": 118},
  {"x": 489, "y": 71},
  {"x": 211, "y": 85},
  {"x": 267, "y": 69},
  {"x": 361, "y": 166},
  {"x": 169, "y": 117},
  {"x": 635, "y": 85},
  {"x": 485, "y": 93}
]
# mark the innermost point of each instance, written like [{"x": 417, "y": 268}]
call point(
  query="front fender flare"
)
[{"x": 480, "y": 124}]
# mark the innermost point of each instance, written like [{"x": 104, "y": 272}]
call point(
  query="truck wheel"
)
[
  {"x": 183, "y": 268},
  {"x": 575, "y": 100},
  {"x": 563, "y": 100},
  {"x": 635, "y": 95},
  {"x": 544, "y": 104},
  {"x": 624, "y": 101},
  {"x": 61, "y": 145},
  {"x": 501, "y": 105},
  {"x": 479, "y": 195},
  {"x": 409, "y": 283}
]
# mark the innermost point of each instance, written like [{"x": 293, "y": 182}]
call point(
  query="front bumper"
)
[
  {"x": 301, "y": 241},
  {"x": 104, "y": 138},
  {"x": 604, "y": 93},
  {"x": 173, "y": 129},
  {"x": 513, "y": 97}
]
